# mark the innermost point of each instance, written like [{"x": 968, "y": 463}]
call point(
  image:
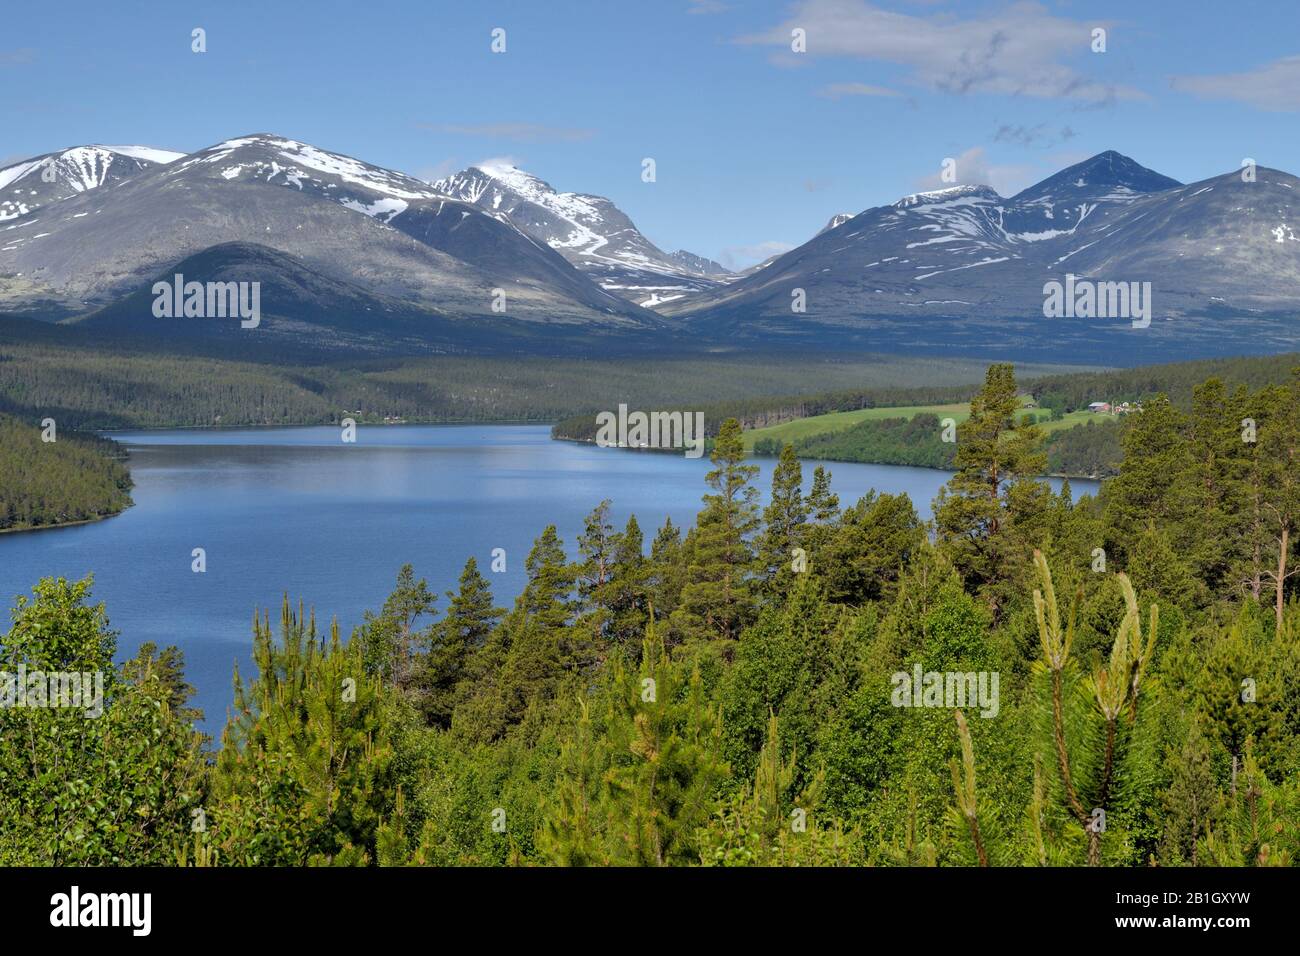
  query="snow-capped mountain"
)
[
  {"x": 962, "y": 268},
  {"x": 835, "y": 222},
  {"x": 590, "y": 231},
  {"x": 27, "y": 186},
  {"x": 361, "y": 258},
  {"x": 388, "y": 236}
]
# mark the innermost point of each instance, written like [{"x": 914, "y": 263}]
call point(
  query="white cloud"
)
[
  {"x": 1021, "y": 50},
  {"x": 974, "y": 169},
  {"x": 1274, "y": 87},
  {"x": 438, "y": 170},
  {"x": 500, "y": 161}
]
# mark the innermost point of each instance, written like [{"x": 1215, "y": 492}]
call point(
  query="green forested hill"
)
[
  {"x": 105, "y": 387},
  {"x": 1090, "y": 449},
  {"x": 73, "y": 478}
]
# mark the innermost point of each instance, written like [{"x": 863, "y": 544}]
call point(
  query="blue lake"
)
[{"x": 296, "y": 510}]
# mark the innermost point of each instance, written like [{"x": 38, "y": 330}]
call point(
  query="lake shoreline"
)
[
  {"x": 65, "y": 524},
  {"x": 109, "y": 432},
  {"x": 846, "y": 461}
]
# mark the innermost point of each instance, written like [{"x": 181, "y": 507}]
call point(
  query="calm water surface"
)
[{"x": 295, "y": 510}]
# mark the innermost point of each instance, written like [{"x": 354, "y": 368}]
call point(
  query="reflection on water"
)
[{"x": 297, "y": 511}]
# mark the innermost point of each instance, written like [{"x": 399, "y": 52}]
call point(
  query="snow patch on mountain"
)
[
  {"x": 12, "y": 174},
  {"x": 382, "y": 209},
  {"x": 148, "y": 153},
  {"x": 589, "y": 231}
]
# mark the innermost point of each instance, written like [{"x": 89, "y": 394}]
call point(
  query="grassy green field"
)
[{"x": 821, "y": 424}]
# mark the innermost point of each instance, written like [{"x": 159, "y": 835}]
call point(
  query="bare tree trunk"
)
[
  {"x": 1283, "y": 545},
  {"x": 1257, "y": 555}
]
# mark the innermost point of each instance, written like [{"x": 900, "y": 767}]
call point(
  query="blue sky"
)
[{"x": 756, "y": 146}]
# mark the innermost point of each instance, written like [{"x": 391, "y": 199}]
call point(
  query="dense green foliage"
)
[
  {"x": 735, "y": 696},
  {"x": 912, "y": 441},
  {"x": 1090, "y": 450},
  {"x": 108, "y": 387},
  {"x": 1062, "y": 391},
  {"x": 71, "y": 478}
]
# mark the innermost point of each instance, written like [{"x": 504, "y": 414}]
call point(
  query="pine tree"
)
[
  {"x": 1091, "y": 726},
  {"x": 823, "y": 505},
  {"x": 542, "y": 647},
  {"x": 596, "y": 547},
  {"x": 868, "y": 550},
  {"x": 783, "y": 525},
  {"x": 1252, "y": 525},
  {"x": 1152, "y": 484},
  {"x": 997, "y": 454},
  {"x": 471, "y": 616},
  {"x": 640, "y": 793},
  {"x": 305, "y": 773},
  {"x": 666, "y": 576},
  {"x": 1219, "y": 461},
  {"x": 1257, "y": 823},
  {"x": 546, "y": 597},
  {"x": 625, "y": 596},
  {"x": 716, "y": 602},
  {"x": 1280, "y": 448},
  {"x": 388, "y": 640},
  {"x": 1189, "y": 799}
]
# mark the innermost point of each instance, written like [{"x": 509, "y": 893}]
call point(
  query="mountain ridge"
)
[
  {"x": 958, "y": 270},
  {"x": 590, "y": 231},
  {"x": 963, "y": 268}
]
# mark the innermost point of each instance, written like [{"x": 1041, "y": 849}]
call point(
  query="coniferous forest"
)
[
  {"x": 49, "y": 479},
  {"x": 1027, "y": 680}
]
